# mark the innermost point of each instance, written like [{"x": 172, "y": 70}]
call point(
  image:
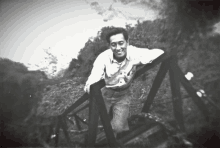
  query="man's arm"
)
[
  {"x": 97, "y": 73},
  {"x": 145, "y": 55}
]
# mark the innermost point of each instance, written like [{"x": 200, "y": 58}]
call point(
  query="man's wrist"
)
[{"x": 87, "y": 88}]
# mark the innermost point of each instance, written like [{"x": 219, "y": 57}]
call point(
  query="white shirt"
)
[{"x": 105, "y": 66}]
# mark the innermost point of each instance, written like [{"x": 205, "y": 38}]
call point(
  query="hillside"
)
[{"x": 30, "y": 103}]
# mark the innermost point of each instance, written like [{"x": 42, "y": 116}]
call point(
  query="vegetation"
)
[
  {"x": 19, "y": 91},
  {"x": 27, "y": 97},
  {"x": 192, "y": 37}
]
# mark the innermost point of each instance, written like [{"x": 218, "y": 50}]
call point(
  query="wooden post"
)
[
  {"x": 93, "y": 122},
  {"x": 97, "y": 96},
  {"x": 50, "y": 133},
  {"x": 77, "y": 123},
  {"x": 175, "y": 89},
  {"x": 57, "y": 131},
  {"x": 156, "y": 84},
  {"x": 65, "y": 128}
]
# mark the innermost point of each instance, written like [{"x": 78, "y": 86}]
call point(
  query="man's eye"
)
[
  {"x": 113, "y": 44},
  {"x": 121, "y": 43}
]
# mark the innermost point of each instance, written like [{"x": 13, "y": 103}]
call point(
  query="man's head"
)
[{"x": 118, "y": 42}]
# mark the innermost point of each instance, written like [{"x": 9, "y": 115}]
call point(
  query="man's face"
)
[{"x": 118, "y": 45}]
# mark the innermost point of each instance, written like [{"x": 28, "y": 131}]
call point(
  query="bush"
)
[{"x": 19, "y": 90}]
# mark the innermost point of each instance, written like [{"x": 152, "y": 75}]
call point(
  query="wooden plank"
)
[
  {"x": 143, "y": 128},
  {"x": 78, "y": 110},
  {"x": 144, "y": 131},
  {"x": 192, "y": 92},
  {"x": 156, "y": 84},
  {"x": 136, "y": 132},
  {"x": 176, "y": 97},
  {"x": 76, "y": 104}
]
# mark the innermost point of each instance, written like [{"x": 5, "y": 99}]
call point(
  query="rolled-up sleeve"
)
[
  {"x": 148, "y": 56},
  {"x": 145, "y": 55},
  {"x": 97, "y": 72}
]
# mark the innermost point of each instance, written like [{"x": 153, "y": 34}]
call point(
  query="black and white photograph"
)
[{"x": 110, "y": 73}]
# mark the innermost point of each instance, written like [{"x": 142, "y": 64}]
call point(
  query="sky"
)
[
  {"x": 63, "y": 26},
  {"x": 28, "y": 26}
]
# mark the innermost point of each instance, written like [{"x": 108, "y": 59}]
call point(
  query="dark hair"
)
[{"x": 115, "y": 31}]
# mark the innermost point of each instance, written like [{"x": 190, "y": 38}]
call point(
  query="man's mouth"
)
[{"x": 120, "y": 52}]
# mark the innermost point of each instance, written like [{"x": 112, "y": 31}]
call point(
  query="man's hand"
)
[{"x": 87, "y": 88}]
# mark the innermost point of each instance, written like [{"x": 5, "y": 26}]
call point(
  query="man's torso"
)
[{"x": 119, "y": 75}]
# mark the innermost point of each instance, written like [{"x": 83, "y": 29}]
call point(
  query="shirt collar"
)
[{"x": 114, "y": 61}]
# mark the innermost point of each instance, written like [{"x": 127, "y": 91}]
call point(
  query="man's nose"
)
[{"x": 118, "y": 47}]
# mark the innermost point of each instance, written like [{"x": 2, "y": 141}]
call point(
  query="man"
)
[{"x": 117, "y": 67}]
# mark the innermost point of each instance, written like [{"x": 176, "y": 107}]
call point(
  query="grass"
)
[{"x": 60, "y": 94}]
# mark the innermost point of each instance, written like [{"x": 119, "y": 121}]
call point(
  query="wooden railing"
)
[{"x": 97, "y": 107}]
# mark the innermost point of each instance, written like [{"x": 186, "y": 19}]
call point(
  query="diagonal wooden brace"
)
[
  {"x": 192, "y": 92},
  {"x": 77, "y": 103},
  {"x": 175, "y": 89},
  {"x": 147, "y": 67},
  {"x": 156, "y": 84}
]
